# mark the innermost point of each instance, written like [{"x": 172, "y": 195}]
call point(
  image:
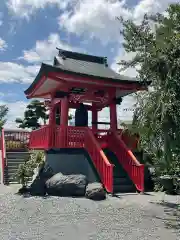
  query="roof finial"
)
[
  {"x": 60, "y": 53},
  {"x": 105, "y": 61}
]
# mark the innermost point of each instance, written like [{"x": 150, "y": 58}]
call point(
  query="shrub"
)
[{"x": 26, "y": 170}]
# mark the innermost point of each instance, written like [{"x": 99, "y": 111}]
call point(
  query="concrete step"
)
[
  {"x": 121, "y": 180},
  {"x": 11, "y": 181},
  {"x": 124, "y": 188},
  {"x": 14, "y": 159},
  {"x": 14, "y": 163},
  {"x": 13, "y": 166},
  {"x": 20, "y": 157},
  {"x": 11, "y": 172},
  {"x": 17, "y": 155},
  {"x": 121, "y": 174}
]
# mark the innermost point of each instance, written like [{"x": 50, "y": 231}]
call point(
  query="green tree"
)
[
  {"x": 155, "y": 45},
  {"x": 3, "y": 114},
  {"x": 35, "y": 111}
]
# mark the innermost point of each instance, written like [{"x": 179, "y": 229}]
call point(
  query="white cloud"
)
[
  {"x": 122, "y": 55},
  {"x": 95, "y": 19},
  {"x": 144, "y": 6},
  {"x": 44, "y": 51},
  {"x": 91, "y": 18},
  {"x": 7, "y": 95},
  {"x": 98, "y": 18},
  {"x": 3, "y": 45},
  {"x": 25, "y": 8},
  {"x": 16, "y": 109},
  {"x": 151, "y": 6},
  {"x": 13, "y": 72}
]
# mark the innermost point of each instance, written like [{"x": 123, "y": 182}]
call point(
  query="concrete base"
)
[{"x": 72, "y": 161}]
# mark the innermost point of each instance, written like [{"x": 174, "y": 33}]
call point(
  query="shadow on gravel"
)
[
  {"x": 120, "y": 195},
  {"x": 27, "y": 195},
  {"x": 172, "y": 211}
]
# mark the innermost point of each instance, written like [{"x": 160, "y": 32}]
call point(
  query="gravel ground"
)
[{"x": 123, "y": 217}]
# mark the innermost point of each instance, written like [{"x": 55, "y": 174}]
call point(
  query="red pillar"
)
[
  {"x": 113, "y": 117},
  {"x": 94, "y": 117},
  {"x": 64, "y": 111},
  {"x": 64, "y": 122},
  {"x": 50, "y": 142},
  {"x": 52, "y": 115}
]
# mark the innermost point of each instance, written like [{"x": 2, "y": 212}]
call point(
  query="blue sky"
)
[{"x": 30, "y": 31}]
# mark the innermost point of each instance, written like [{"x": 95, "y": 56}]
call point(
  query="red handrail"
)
[
  {"x": 130, "y": 140},
  {"x": 75, "y": 137},
  {"x": 127, "y": 159},
  {"x": 99, "y": 159},
  {"x": 3, "y": 153},
  {"x": 39, "y": 139}
]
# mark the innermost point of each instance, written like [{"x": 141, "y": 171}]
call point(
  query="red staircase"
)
[
  {"x": 83, "y": 137},
  {"x": 75, "y": 137},
  {"x": 103, "y": 166},
  {"x": 127, "y": 160}
]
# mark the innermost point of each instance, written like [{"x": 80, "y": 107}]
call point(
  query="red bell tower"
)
[{"x": 80, "y": 78}]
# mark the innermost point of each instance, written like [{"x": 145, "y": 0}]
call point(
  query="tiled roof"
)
[
  {"x": 84, "y": 65},
  {"x": 87, "y": 64}
]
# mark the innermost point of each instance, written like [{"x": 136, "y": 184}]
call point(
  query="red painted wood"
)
[
  {"x": 76, "y": 80},
  {"x": 75, "y": 137},
  {"x": 94, "y": 117},
  {"x": 100, "y": 161},
  {"x": 3, "y": 153},
  {"x": 113, "y": 117},
  {"x": 130, "y": 140},
  {"x": 71, "y": 105},
  {"x": 83, "y": 137},
  {"x": 129, "y": 162},
  {"x": 64, "y": 111},
  {"x": 99, "y": 82},
  {"x": 16, "y": 140},
  {"x": 39, "y": 139},
  {"x": 76, "y": 105},
  {"x": 52, "y": 115},
  {"x": 37, "y": 85}
]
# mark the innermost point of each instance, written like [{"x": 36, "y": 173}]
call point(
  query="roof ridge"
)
[{"x": 82, "y": 56}]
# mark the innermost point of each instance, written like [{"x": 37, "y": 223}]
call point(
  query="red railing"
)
[
  {"x": 101, "y": 136},
  {"x": 75, "y": 137},
  {"x": 39, "y": 139},
  {"x": 58, "y": 137},
  {"x": 131, "y": 140},
  {"x": 129, "y": 162},
  {"x": 99, "y": 159},
  {"x": 16, "y": 140},
  {"x": 68, "y": 137},
  {"x": 3, "y": 155}
]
